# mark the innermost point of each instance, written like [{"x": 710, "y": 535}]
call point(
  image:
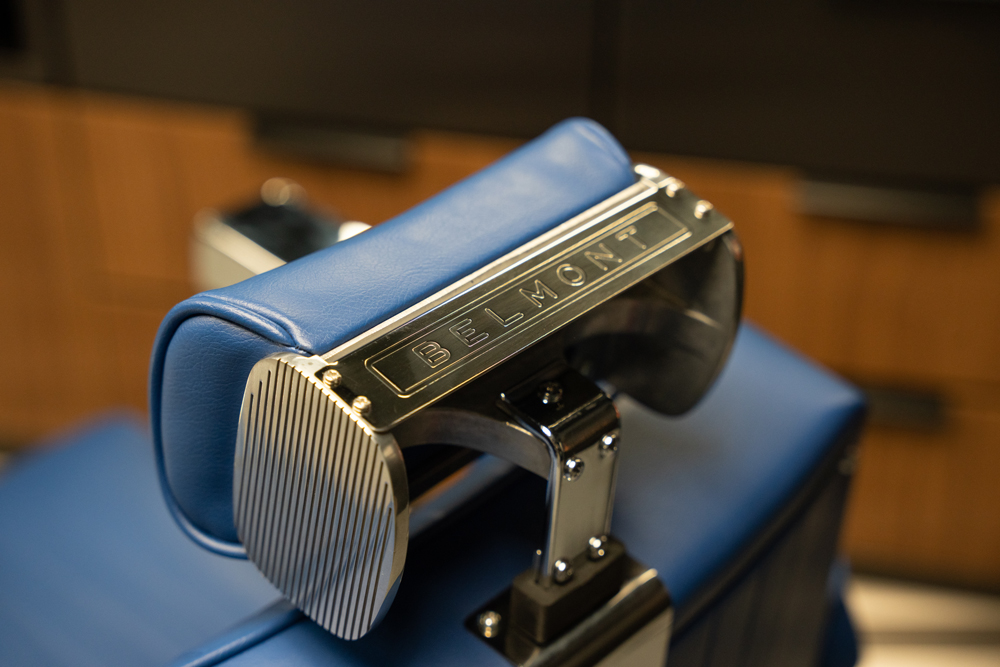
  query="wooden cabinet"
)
[{"x": 98, "y": 195}]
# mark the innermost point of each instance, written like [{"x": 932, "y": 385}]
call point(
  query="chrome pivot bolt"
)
[
  {"x": 596, "y": 547},
  {"x": 572, "y": 469},
  {"x": 563, "y": 571}
]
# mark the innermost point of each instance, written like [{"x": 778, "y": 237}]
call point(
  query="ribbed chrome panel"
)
[{"x": 317, "y": 497}]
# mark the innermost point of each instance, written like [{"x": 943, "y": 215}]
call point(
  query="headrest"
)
[{"x": 208, "y": 344}]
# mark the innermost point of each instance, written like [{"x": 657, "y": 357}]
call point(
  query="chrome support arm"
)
[{"x": 578, "y": 425}]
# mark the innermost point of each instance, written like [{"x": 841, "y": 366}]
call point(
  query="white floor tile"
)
[
  {"x": 930, "y": 656},
  {"x": 881, "y": 605}
]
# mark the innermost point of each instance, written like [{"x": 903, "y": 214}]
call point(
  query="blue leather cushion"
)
[
  {"x": 207, "y": 344},
  {"x": 94, "y": 571}
]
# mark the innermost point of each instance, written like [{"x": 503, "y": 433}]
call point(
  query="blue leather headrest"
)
[{"x": 207, "y": 344}]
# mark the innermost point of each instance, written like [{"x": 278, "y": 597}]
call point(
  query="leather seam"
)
[{"x": 191, "y": 310}]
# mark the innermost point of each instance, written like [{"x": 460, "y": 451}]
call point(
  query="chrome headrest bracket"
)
[
  {"x": 644, "y": 286},
  {"x": 578, "y": 425}
]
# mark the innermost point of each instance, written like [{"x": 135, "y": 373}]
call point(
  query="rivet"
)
[
  {"x": 647, "y": 171},
  {"x": 331, "y": 378},
  {"x": 702, "y": 208},
  {"x": 596, "y": 547},
  {"x": 609, "y": 443},
  {"x": 361, "y": 405},
  {"x": 550, "y": 393},
  {"x": 672, "y": 186},
  {"x": 489, "y": 624},
  {"x": 572, "y": 469},
  {"x": 563, "y": 571}
]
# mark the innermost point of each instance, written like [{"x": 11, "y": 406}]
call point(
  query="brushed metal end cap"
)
[{"x": 320, "y": 500}]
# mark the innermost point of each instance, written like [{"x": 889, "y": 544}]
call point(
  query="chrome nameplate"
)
[
  {"x": 464, "y": 330},
  {"x": 556, "y": 287}
]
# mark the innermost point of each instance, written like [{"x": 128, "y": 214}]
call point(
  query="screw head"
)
[
  {"x": 550, "y": 393},
  {"x": 361, "y": 405},
  {"x": 331, "y": 378},
  {"x": 672, "y": 186},
  {"x": 489, "y": 624},
  {"x": 647, "y": 171},
  {"x": 702, "y": 208},
  {"x": 562, "y": 571},
  {"x": 572, "y": 469},
  {"x": 609, "y": 443},
  {"x": 596, "y": 547}
]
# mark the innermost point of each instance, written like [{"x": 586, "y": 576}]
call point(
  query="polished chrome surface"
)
[
  {"x": 582, "y": 473},
  {"x": 456, "y": 491},
  {"x": 562, "y": 571},
  {"x": 550, "y": 393},
  {"x": 332, "y": 535},
  {"x": 320, "y": 500},
  {"x": 664, "y": 341},
  {"x": 672, "y": 186},
  {"x": 439, "y": 345},
  {"x": 572, "y": 469},
  {"x": 331, "y": 378},
  {"x": 596, "y": 547},
  {"x": 361, "y": 405},
  {"x": 609, "y": 443},
  {"x": 702, "y": 208},
  {"x": 489, "y": 624}
]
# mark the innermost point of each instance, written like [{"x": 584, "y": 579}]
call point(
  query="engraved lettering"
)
[
  {"x": 571, "y": 275},
  {"x": 629, "y": 234},
  {"x": 431, "y": 353},
  {"x": 623, "y": 252},
  {"x": 467, "y": 334},
  {"x": 541, "y": 291},
  {"x": 504, "y": 321},
  {"x": 599, "y": 258}
]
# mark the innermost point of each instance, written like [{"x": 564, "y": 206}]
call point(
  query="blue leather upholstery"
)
[
  {"x": 692, "y": 493},
  {"x": 713, "y": 478},
  {"x": 207, "y": 345},
  {"x": 94, "y": 571}
]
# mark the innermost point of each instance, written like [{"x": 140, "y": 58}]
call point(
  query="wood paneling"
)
[
  {"x": 926, "y": 504},
  {"x": 99, "y": 193}
]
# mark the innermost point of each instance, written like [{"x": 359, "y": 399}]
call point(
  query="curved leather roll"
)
[{"x": 207, "y": 344}]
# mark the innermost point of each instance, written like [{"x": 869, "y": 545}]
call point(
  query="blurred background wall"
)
[{"x": 855, "y": 144}]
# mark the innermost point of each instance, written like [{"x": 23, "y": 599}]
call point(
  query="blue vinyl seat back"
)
[{"x": 93, "y": 569}]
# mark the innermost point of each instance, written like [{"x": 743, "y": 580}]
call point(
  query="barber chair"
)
[{"x": 518, "y": 424}]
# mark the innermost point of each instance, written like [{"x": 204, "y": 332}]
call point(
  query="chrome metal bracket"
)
[
  {"x": 641, "y": 291},
  {"x": 630, "y": 629},
  {"x": 578, "y": 425}
]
